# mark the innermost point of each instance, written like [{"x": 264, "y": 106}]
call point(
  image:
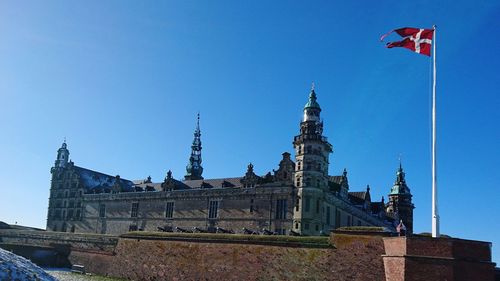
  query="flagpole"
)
[{"x": 435, "y": 214}]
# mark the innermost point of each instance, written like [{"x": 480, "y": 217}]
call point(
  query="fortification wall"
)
[
  {"x": 345, "y": 255},
  {"x": 59, "y": 240},
  {"x": 144, "y": 258}
]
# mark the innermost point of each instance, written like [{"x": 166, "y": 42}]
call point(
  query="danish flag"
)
[{"x": 418, "y": 40}]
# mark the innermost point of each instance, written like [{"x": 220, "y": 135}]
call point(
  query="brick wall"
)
[
  {"x": 149, "y": 259},
  {"x": 425, "y": 258}
]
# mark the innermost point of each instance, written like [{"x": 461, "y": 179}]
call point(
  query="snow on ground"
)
[{"x": 14, "y": 267}]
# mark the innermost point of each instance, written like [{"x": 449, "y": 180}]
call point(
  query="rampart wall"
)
[{"x": 201, "y": 256}]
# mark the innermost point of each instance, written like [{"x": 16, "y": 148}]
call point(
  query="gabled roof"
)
[
  {"x": 336, "y": 179},
  {"x": 214, "y": 183},
  {"x": 359, "y": 197}
]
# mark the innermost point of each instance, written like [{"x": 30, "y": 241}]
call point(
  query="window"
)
[
  {"x": 306, "y": 226},
  {"x": 132, "y": 227},
  {"x": 317, "y": 206},
  {"x": 296, "y": 226},
  {"x": 298, "y": 181},
  {"x": 299, "y": 166},
  {"x": 135, "y": 208},
  {"x": 78, "y": 214},
  {"x": 281, "y": 208},
  {"x": 359, "y": 223},
  {"x": 297, "y": 204},
  {"x": 308, "y": 204},
  {"x": 213, "y": 207},
  {"x": 70, "y": 214},
  {"x": 102, "y": 210},
  {"x": 349, "y": 221},
  {"x": 328, "y": 215},
  {"x": 169, "y": 210},
  {"x": 251, "y": 205}
]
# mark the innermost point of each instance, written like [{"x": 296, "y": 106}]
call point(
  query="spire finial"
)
[
  {"x": 400, "y": 156},
  {"x": 198, "y": 121},
  {"x": 312, "y": 86}
]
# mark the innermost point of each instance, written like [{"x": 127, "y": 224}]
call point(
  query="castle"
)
[{"x": 299, "y": 198}]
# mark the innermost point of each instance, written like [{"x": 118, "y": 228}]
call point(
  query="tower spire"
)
[
  {"x": 400, "y": 202},
  {"x": 194, "y": 168}
]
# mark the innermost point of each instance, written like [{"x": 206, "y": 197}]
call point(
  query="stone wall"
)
[{"x": 146, "y": 258}]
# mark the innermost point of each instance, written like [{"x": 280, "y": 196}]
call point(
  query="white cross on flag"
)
[{"x": 418, "y": 40}]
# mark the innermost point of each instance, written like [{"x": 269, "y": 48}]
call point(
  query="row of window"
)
[
  {"x": 308, "y": 166},
  {"x": 64, "y": 204},
  {"x": 307, "y": 208},
  {"x": 213, "y": 209},
  {"x": 308, "y": 149},
  {"x": 63, "y": 215},
  {"x": 68, "y": 194},
  {"x": 307, "y": 182}
]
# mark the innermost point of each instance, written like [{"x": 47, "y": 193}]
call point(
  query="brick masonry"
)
[
  {"x": 425, "y": 258},
  {"x": 366, "y": 256}
]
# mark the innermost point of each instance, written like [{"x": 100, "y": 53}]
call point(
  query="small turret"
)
[{"x": 62, "y": 156}]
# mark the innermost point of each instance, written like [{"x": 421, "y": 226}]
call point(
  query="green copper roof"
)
[
  {"x": 397, "y": 189},
  {"x": 312, "y": 103}
]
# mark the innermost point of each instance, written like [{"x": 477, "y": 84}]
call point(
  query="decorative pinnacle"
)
[
  {"x": 400, "y": 166},
  {"x": 312, "y": 86}
]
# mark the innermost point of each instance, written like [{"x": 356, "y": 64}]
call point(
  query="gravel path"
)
[{"x": 66, "y": 275}]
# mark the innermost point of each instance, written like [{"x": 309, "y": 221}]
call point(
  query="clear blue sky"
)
[{"x": 123, "y": 81}]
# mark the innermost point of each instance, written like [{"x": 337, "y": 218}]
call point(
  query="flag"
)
[{"x": 418, "y": 40}]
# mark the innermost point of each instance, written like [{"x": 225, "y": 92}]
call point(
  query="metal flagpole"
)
[{"x": 435, "y": 215}]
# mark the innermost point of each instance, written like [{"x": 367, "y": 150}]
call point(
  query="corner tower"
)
[
  {"x": 400, "y": 205},
  {"x": 312, "y": 151},
  {"x": 194, "y": 168}
]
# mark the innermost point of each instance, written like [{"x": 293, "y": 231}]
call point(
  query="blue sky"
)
[{"x": 123, "y": 81}]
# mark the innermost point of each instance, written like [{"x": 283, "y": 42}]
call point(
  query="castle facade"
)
[{"x": 299, "y": 198}]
